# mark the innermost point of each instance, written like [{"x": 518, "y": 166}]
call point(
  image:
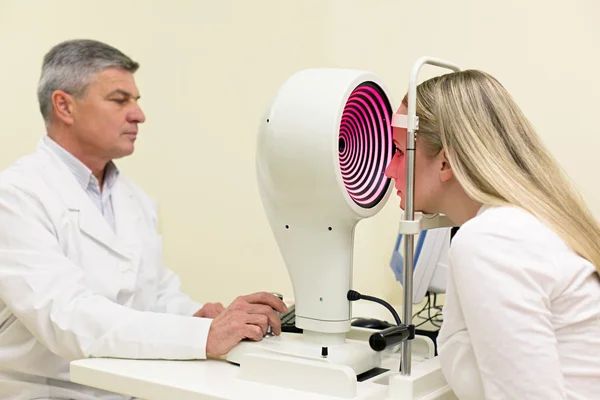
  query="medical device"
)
[
  {"x": 430, "y": 262},
  {"x": 323, "y": 147},
  {"x": 322, "y": 151}
]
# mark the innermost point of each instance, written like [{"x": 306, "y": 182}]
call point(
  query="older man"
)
[{"x": 81, "y": 271}]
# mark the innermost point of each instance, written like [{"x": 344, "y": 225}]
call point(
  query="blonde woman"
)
[{"x": 522, "y": 312}]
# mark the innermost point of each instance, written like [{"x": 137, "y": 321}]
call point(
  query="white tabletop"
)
[
  {"x": 188, "y": 380},
  {"x": 195, "y": 380},
  {"x": 182, "y": 380}
]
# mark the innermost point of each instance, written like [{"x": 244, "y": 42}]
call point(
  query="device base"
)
[
  {"x": 426, "y": 382},
  {"x": 357, "y": 355},
  {"x": 293, "y": 362}
]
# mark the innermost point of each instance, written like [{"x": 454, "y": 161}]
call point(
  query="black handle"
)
[{"x": 388, "y": 337}]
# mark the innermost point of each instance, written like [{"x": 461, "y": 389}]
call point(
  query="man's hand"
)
[
  {"x": 246, "y": 318},
  {"x": 210, "y": 310}
]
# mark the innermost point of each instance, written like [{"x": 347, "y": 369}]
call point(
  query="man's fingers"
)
[
  {"x": 259, "y": 309},
  {"x": 219, "y": 307},
  {"x": 254, "y": 331},
  {"x": 259, "y": 320},
  {"x": 267, "y": 299},
  {"x": 273, "y": 319}
]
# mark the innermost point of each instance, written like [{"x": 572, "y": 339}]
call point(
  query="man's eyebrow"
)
[{"x": 123, "y": 92}]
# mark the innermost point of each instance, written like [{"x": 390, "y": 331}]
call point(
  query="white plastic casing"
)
[{"x": 299, "y": 178}]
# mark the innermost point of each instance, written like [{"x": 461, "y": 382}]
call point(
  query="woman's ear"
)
[{"x": 446, "y": 172}]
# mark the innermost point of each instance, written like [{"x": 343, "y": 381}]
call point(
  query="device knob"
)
[
  {"x": 269, "y": 331},
  {"x": 278, "y": 295}
]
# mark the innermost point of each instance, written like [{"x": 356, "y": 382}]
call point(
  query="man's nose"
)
[{"x": 137, "y": 115}]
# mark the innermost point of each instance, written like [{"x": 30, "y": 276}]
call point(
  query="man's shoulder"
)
[{"x": 27, "y": 172}]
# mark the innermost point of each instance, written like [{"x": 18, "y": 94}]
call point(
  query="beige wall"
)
[{"x": 209, "y": 68}]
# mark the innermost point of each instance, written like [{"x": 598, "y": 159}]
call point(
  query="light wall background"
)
[{"x": 209, "y": 69}]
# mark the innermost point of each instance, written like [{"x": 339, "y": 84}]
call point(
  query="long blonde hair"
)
[{"x": 497, "y": 156}]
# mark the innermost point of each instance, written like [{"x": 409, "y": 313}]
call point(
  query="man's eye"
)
[{"x": 120, "y": 101}]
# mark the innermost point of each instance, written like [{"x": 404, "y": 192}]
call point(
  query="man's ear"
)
[
  {"x": 446, "y": 172},
  {"x": 63, "y": 105}
]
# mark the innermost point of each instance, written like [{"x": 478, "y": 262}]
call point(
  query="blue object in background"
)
[{"x": 397, "y": 261}]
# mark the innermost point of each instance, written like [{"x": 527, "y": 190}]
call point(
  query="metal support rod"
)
[
  {"x": 409, "y": 211},
  {"x": 407, "y": 309}
]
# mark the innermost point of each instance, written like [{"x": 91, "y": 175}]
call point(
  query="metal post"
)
[
  {"x": 409, "y": 211},
  {"x": 409, "y": 214}
]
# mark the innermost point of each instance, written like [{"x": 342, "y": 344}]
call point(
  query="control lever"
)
[{"x": 269, "y": 330}]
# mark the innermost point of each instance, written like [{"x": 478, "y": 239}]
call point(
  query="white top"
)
[
  {"x": 522, "y": 312},
  {"x": 71, "y": 287}
]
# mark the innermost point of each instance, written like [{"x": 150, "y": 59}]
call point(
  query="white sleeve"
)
[
  {"x": 46, "y": 292},
  {"x": 504, "y": 287}
]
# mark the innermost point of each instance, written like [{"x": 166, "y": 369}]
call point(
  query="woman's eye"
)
[{"x": 397, "y": 151}]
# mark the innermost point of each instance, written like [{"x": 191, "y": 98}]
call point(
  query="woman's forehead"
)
[
  {"x": 399, "y": 134},
  {"x": 399, "y": 137}
]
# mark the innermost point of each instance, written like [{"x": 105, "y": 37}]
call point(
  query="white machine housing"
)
[
  {"x": 299, "y": 177},
  {"x": 313, "y": 218},
  {"x": 431, "y": 262}
]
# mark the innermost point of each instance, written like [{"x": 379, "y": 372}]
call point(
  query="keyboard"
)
[{"x": 288, "y": 321}]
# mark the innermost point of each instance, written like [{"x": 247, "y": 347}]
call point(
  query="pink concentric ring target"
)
[{"x": 365, "y": 144}]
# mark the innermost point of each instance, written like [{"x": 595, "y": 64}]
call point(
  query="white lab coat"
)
[
  {"x": 71, "y": 288},
  {"x": 522, "y": 315}
]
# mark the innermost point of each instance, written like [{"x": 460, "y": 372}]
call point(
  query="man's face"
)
[{"x": 105, "y": 120}]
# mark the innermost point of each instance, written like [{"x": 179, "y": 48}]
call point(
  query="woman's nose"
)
[{"x": 390, "y": 170}]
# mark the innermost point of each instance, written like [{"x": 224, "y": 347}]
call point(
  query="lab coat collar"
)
[
  {"x": 124, "y": 241},
  {"x": 82, "y": 173},
  {"x": 482, "y": 209}
]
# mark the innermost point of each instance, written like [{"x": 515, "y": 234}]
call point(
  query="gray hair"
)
[{"x": 69, "y": 66}]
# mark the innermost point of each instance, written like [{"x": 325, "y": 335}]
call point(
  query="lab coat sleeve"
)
[
  {"x": 504, "y": 288},
  {"x": 47, "y": 293}
]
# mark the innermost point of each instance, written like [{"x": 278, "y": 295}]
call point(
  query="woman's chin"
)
[{"x": 403, "y": 208}]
